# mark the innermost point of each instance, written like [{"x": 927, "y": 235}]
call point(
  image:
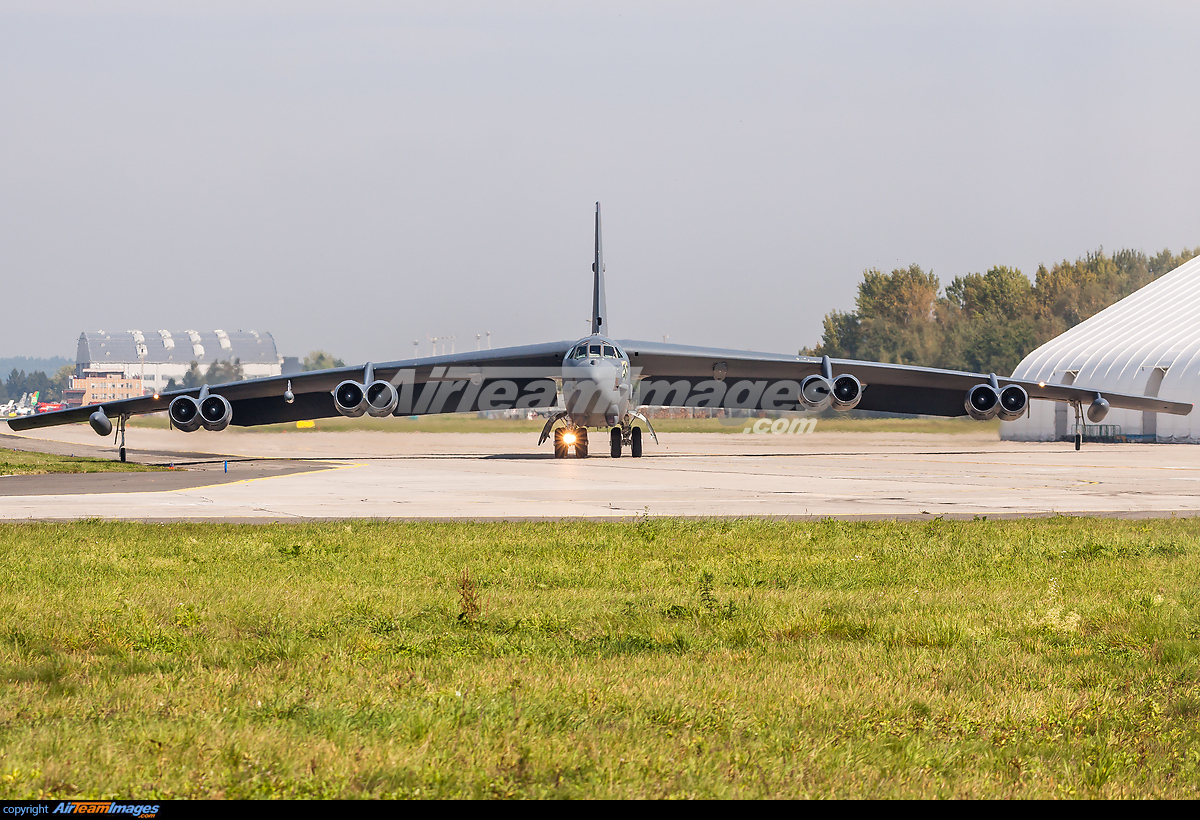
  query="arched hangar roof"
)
[
  {"x": 176, "y": 347},
  {"x": 1148, "y": 343}
]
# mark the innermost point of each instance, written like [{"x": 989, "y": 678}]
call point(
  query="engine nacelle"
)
[
  {"x": 215, "y": 413},
  {"x": 982, "y": 402},
  {"x": 100, "y": 422},
  {"x": 1013, "y": 402},
  {"x": 350, "y": 399},
  {"x": 382, "y": 399},
  {"x": 847, "y": 392},
  {"x": 1098, "y": 409},
  {"x": 816, "y": 393},
  {"x": 185, "y": 414}
]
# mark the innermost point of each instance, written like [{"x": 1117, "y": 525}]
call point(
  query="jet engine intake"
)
[
  {"x": 816, "y": 393},
  {"x": 1013, "y": 402},
  {"x": 847, "y": 392},
  {"x": 185, "y": 414},
  {"x": 982, "y": 402},
  {"x": 350, "y": 399},
  {"x": 215, "y": 413},
  {"x": 382, "y": 399}
]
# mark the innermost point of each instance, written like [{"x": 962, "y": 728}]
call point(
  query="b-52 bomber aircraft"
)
[{"x": 604, "y": 384}]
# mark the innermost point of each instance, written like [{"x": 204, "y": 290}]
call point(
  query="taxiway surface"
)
[{"x": 336, "y": 475}]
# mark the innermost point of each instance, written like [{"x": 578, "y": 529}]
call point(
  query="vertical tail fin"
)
[{"x": 599, "y": 306}]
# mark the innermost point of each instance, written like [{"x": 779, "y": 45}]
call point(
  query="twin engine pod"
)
[
  {"x": 819, "y": 393},
  {"x": 209, "y": 411},
  {"x": 374, "y": 397},
  {"x": 985, "y": 402}
]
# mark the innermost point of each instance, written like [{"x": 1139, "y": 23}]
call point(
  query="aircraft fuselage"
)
[{"x": 597, "y": 383}]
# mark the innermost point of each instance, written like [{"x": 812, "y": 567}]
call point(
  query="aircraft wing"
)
[
  {"x": 461, "y": 382},
  {"x": 891, "y": 388}
]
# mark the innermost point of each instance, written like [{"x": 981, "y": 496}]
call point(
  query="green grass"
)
[
  {"x": 658, "y": 658},
  {"x": 19, "y": 462},
  {"x": 469, "y": 423}
]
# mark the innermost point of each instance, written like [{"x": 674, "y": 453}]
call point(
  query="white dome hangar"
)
[{"x": 1148, "y": 343}]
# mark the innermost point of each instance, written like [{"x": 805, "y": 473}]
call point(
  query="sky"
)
[{"x": 355, "y": 176}]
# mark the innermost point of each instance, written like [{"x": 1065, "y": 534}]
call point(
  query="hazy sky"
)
[{"x": 354, "y": 176}]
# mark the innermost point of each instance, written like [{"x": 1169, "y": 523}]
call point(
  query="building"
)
[
  {"x": 155, "y": 357},
  {"x": 1148, "y": 344},
  {"x": 98, "y": 386}
]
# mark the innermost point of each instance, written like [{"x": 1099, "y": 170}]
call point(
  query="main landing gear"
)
[
  {"x": 570, "y": 438},
  {"x": 631, "y": 437}
]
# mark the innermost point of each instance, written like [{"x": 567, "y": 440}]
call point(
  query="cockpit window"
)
[
  {"x": 610, "y": 352},
  {"x": 580, "y": 352},
  {"x": 594, "y": 350}
]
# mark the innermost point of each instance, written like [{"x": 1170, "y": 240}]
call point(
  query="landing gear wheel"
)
[
  {"x": 614, "y": 437},
  {"x": 581, "y": 444},
  {"x": 122, "y": 454},
  {"x": 1078, "y": 440},
  {"x": 560, "y": 447},
  {"x": 635, "y": 442}
]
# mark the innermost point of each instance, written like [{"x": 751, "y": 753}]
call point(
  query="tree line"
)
[
  {"x": 223, "y": 372},
  {"x": 982, "y": 322},
  {"x": 48, "y": 388}
]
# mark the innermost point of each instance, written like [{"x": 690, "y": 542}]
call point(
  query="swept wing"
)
[
  {"x": 261, "y": 401},
  {"x": 890, "y": 388}
]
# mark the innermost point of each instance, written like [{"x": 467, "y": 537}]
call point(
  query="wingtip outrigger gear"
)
[
  {"x": 120, "y": 434},
  {"x": 646, "y": 420}
]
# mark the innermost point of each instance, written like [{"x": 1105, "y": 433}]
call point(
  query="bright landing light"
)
[{"x": 569, "y": 438}]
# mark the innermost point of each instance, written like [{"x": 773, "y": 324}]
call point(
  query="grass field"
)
[
  {"x": 19, "y": 462},
  {"x": 659, "y": 658},
  {"x": 469, "y": 423}
]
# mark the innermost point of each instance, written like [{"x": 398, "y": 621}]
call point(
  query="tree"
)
[
  {"x": 14, "y": 384},
  {"x": 985, "y": 322},
  {"x": 320, "y": 360},
  {"x": 62, "y": 381},
  {"x": 1002, "y": 291},
  {"x": 19, "y": 383},
  {"x": 840, "y": 336},
  {"x": 224, "y": 372},
  {"x": 192, "y": 378},
  {"x": 896, "y": 319},
  {"x": 904, "y": 296}
]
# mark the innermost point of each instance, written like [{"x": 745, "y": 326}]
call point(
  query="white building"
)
[
  {"x": 157, "y": 356},
  {"x": 1148, "y": 344}
]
